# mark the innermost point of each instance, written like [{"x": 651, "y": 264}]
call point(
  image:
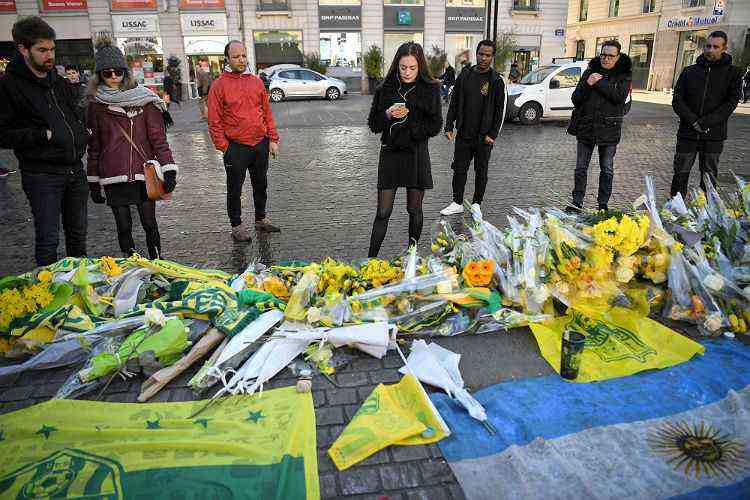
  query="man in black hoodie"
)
[
  {"x": 705, "y": 96},
  {"x": 41, "y": 122},
  {"x": 477, "y": 110},
  {"x": 599, "y": 100}
]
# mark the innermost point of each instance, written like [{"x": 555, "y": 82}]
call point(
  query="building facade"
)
[
  {"x": 283, "y": 31},
  {"x": 661, "y": 36}
]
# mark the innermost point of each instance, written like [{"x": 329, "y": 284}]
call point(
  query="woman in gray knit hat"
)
[{"x": 128, "y": 129}]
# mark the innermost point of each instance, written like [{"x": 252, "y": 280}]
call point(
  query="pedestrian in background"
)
[
  {"x": 599, "y": 100},
  {"x": 242, "y": 127},
  {"x": 128, "y": 129},
  {"x": 40, "y": 121},
  {"x": 746, "y": 85},
  {"x": 515, "y": 74},
  {"x": 705, "y": 96},
  {"x": 449, "y": 79},
  {"x": 77, "y": 86},
  {"x": 203, "y": 81},
  {"x": 477, "y": 110},
  {"x": 406, "y": 112},
  {"x": 168, "y": 88}
]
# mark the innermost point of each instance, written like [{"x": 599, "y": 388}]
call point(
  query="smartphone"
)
[{"x": 399, "y": 104}]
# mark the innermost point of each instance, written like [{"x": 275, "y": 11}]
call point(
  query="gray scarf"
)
[{"x": 136, "y": 97}]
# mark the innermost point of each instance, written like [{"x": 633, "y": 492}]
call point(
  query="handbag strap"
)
[{"x": 130, "y": 140}]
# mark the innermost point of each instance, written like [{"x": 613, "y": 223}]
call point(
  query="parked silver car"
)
[{"x": 304, "y": 82}]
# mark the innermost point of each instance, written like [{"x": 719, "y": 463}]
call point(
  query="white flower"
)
[
  {"x": 713, "y": 322},
  {"x": 713, "y": 282},
  {"x": 314, "y": 314},
  {"x": 540, "y": 294},
  {"x": 624, "y": 274},
  {"x": 155, "y": 317}
]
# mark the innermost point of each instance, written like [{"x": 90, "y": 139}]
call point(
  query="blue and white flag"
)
[{"x": 682, "y": 432}]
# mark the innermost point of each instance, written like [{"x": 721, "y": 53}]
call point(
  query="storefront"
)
[
  {"x": 641, "y": 51},
  {"x": 464, "y": 29},
  {"x": 277, "y": 47},
  {"x": 7, "y": 18},
  {"x": 205, "y": 36},
  {"x": 138, "y": 37},
  {"x": 527, "y": 52},
  {"x": 403, "y": 21},
  {"x": 340, "y": 23},
  {"x": 73, "y": 44}
]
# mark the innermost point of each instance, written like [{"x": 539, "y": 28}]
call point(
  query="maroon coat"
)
[{"x": 112, "y": 158}]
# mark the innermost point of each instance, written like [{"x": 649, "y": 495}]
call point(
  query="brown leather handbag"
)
[{"x": 154, "y": 185}]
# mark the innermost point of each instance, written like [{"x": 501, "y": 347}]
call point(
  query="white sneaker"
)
[
  {"x": 453, "y": 208},
  {"x": 476, "y": 209}
]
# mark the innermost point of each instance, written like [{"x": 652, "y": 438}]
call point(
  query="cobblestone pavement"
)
[{"x": 322, "y": 195}]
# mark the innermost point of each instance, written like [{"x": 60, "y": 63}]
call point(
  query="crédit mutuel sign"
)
[{"x": 677, "y": 23}]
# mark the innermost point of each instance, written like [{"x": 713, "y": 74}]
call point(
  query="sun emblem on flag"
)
[{"x": 698, "y": 449}]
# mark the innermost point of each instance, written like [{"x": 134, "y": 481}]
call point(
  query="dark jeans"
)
[
  {"x": 239, "y": 159},
  {"x": 466, "y": 151},
  {"x": 124, "y": 223},
  {"x": 684, "y": 157},
  {"x": 52, "y": 196},
  {"x": 606, "y": 172}
]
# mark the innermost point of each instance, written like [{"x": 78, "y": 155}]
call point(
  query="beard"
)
[{"x": 42, "y": 66}]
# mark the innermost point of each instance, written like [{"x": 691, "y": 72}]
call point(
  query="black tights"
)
[
  {"x": 386, "y": 198},
  {"x": 124, "y": 222}
]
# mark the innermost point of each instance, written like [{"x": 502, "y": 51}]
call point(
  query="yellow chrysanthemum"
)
[{"x": 109, "y": 266}]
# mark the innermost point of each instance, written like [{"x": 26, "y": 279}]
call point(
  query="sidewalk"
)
[{"x": 659, "y": 97}]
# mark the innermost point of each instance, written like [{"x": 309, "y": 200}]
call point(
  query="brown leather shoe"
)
[
  {"x": 265, "y": 225},
  {"x": 240, "y": 233}
]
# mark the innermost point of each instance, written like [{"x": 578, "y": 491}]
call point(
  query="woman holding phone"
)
[{"x": 406, "y": 111}]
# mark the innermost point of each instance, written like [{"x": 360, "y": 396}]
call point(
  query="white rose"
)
[{"x": 713, "y": 282}]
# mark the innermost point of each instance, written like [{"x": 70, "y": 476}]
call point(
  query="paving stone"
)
[
  {"x": 46, "y": 390},
  {"x": 399, "y": 476},
  {"x": 9, "y": 380},
  {"x": 365, "y": 391},
  {"x": 358, "y": 480},
  {"x": 328, "y": 488},
  {"x": 122, "y": 397},
  {"x": 323, "y": 437},
  {"x": 381, "y": 457},
  {"x": 428, "y": 494},
  {"x": 435, "y": 471},
  {"x": 408, "y": 453},
  {"x": 435, "y": 450},
  {"x": 342, "y": 396},
  {"x": 319, "y": 398},
  {"x": 367, "y": 364},
  {"x": 18, "y": 393},
  {"x": 456, "y": 492},
  {"x": 325, "y": 464},
  {"x": 180, "y": 393},
  {"x": 329, "y": 415},
  {"x": 393, "y": 360},
  {"x": 352, "y": 379},
  {"x": 350, "y": 411},
  {"x": 385, "y": 376}
]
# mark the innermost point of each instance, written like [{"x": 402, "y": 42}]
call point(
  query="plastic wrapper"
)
[
  {"x": 423, "y": 283},
  {"x": 421, "y": 315},
  {"x": 690, "y": 300},
  {"x": 73, "y": 387},
  {"x": 296, "y": 308},
  {"x": 507, "y": 319},
  {"x": 54, "y": 355},
  {"x": 446, "y": 244}
]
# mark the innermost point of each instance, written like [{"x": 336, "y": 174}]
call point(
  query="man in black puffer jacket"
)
[
  {"x": 41, "y": 122},
  {"x": 705, "y": 96},
  {"x": 599, "y": 100}
]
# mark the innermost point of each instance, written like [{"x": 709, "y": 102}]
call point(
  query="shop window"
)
[
  {"x": 465, "y": 3},
  {"x": 273, "y": 5},
  {"x": 580, "y": 49},
  {"x": 614, "y": 8},
  {"x": 526, "y": 5},
  {"x": 392, "y": 41},
  {"x": 277, "y": 47},
  {"x": 583, "y": 10},
  {"x": 689, "y": 4},
  {"x": 568, "y": 77},
  {"x": 339, "y": 2},
  {"x": 649, "y": 6},
  {"x": 403, "y": 2},
  {"x": 342, "y": 53},
  {"x": 600, "y": 41},
  {"x": 461, "y": 48},
  {"x": 641, "y": 51},
  {"x": 77, "y": 52}
]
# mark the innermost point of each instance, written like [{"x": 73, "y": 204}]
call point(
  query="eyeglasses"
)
[
  {"x": 608, "y": 56},
  {"x": 108, "y": 73},
  {"x": 709, "y": 46}
]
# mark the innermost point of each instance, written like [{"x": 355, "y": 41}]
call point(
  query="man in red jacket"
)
[{"x": 242, "y": 127}]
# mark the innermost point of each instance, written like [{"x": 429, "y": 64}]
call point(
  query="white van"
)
[{"x": 545, "y": 92}]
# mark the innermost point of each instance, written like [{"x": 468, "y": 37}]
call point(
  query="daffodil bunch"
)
[
  {"x": 20, "y": 301},
  {"x": 376, "y": 273},
  {"x": 624, "y": 236}
]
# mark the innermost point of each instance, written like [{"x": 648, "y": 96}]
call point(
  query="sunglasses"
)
[{"x": 109, "y": 73}]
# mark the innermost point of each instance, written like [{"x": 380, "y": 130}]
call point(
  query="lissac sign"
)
[
  {"x": 215, "y": 23},
  {"x": 128, "y": 24}
]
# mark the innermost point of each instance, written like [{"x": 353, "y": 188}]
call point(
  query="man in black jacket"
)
[
  {"x": 705, "y": 96},
  {"x": 477, "y": 110},
  {"x": 599, "y": 100},
  {"x": 40, "y": 121}
]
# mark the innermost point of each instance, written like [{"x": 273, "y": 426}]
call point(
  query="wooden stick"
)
[{"x": 158, "y": 380}]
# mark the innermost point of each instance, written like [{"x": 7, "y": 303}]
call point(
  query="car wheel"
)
[
  {"x": 277, "y": 95},
  {"x": 530, "y": 113},
  {"x": 333, "y": 93}
]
